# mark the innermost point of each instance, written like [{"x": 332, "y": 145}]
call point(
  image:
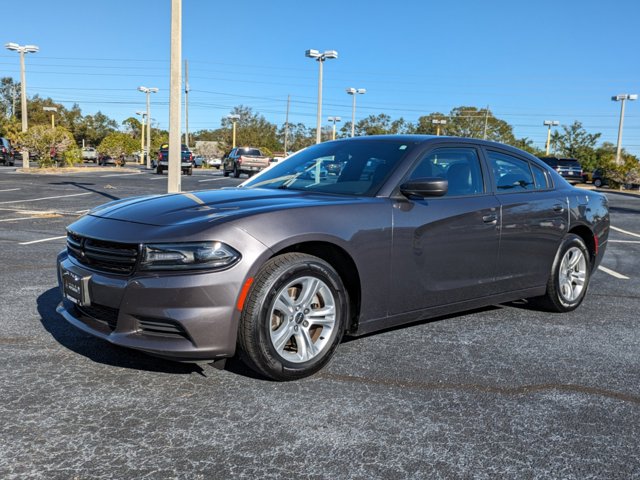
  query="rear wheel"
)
[
  {"x": 158, "y": 170},
  {"x": 569, "y": 278},
  {"x": 236, "y": 172},
  {"x": 293, "y": 318},
  {"x": 597, "y": 182}
]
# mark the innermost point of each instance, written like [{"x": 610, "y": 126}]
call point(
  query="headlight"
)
[{"x": 188, "y": 256}]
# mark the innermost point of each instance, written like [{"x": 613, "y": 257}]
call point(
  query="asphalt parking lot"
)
[{"x": 501, "y": 392}]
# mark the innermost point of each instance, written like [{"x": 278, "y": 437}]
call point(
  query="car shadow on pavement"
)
[
  {"x": 101, "y": 351},
  {"x": 85, "y": 186}
]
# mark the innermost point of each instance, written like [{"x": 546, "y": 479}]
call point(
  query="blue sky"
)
[{"x": 528, "y": 61}]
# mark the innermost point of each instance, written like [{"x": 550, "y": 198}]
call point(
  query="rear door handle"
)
[
  {"x": 558, "y": 207},
  {"x": 491, "y": 218}
]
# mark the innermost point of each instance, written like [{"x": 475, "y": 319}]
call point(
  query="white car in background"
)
[{"x": 214, "y": 162}]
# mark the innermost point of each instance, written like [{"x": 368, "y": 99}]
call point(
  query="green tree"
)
[
  {"x": 118, "y": 145},
  {"x": 425, "y": 124},
  {"x": 576, "y": 142},
  {"x": 252, "y": 129},
  {"x": 94, "y": 128},
  {"x": 50, "y": 145},
  {"x": 479, "y": 123},
  {"x": 299, "y": 136},
  {"x": 9, "y": 97}
]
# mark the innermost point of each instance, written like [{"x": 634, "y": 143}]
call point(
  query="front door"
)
[{"x": 445, "y": 249}]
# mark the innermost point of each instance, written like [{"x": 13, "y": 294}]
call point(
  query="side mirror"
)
[{"x": 425, "y": 187}]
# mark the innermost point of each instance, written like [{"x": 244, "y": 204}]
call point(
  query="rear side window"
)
[
  {"x": 540, "y": 177},
  {"x": 511, "y": 174}
]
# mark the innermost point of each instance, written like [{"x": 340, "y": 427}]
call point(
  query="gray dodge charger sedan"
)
[{"x": 345, "y": 237}]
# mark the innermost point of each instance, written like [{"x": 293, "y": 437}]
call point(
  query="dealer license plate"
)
[{"x": 75, "y": 288}]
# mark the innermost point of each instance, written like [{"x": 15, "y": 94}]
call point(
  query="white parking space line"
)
[
  {"x": 121, "y": 174},
  {"x": 625, "y": 231},
  {"x": 211, "y": 179},
  {"x": 14, "y": 219},
  {"x": 45, "y": 198},
  {"x": 623, "y": 241},
  {"x": 9, "y": 190},
  {"x": 612, "y": 273},
  {"x": 42, "y": 240}
]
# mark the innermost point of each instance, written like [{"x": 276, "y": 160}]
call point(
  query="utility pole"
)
[
  {"x": 175, "y": 147},
  {"x": 486, "y": 123},
  {"x": 186, "y": 103},
  {"x": 286, "y": 126}
]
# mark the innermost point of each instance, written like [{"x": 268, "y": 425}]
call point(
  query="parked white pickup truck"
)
[{"x": 89, "y": 154}]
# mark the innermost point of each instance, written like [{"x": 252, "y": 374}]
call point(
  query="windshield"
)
[{"x": 344, "y": 167}]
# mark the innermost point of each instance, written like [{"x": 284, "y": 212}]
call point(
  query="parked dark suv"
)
[
  {"x": 6, "y": 151},
  {"x": 569, "y": 168}
]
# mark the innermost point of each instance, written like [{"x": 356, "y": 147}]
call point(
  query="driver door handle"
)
[{"x": 491, "y": 218}]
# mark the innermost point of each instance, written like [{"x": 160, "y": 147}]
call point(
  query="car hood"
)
[{"x": 210, "y": 206}]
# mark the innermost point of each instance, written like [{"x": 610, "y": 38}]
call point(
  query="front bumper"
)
[{"x": 183, "y": 317}]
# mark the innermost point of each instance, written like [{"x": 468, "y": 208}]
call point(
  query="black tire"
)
[
  {"x": 190, "y": 171},
  {"x": 225, "y": 173},
  {"x": 236, "y": 172},
  {"x": 158, "y": 170},
  {"x": 566, "y": 291},
  {"x": 281, "y": 277},
  {"x": 597, "y": 183}
]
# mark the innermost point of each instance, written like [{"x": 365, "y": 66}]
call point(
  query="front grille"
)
[
  {"x": 101, "y": 313},
  {"x": 101, "y": 255}
]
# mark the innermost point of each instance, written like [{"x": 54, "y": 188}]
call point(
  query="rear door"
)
[{"x": 534, "y": 218}]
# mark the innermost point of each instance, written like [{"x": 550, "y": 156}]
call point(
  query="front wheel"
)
[
  {"x": 294, "y": 317},
  {"x": 569, "y": 277},
  {"x": 597, "y": 183}
]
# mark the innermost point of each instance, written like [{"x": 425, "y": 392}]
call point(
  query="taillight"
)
[
  {"x": 239, "y": 160},
  {"x": 159, "y": 155}
]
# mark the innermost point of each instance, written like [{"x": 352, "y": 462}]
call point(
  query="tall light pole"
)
[
  {"x": 148, "y": 91},
  {"x": 234, "y": 118},
  {"x": 142, "y": 152},
  {"x": 22, "y": 49},
  {"x": 549, "y": 124},
  {"x": 174, "y": 179},
  {"x": 437, "y": 123},
  {"x": 53, "y": 110},
  {"x": 334, "y": 120},
  {"x": 354, "y": 92},
  {"x": 320, "y": 58},
  {"x": 622, "y": 98}
]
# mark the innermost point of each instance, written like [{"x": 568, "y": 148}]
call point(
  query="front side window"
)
[
  {"x": 511, "y": 174},
  {"x": 460, "y": 166}
]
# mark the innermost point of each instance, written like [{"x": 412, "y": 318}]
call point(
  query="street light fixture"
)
[
  {"x": 234, "y": 118},
  {"x": 354, "y": 92},
  {"x": 334, "y": 120},
  {"x": 142, "y": 149},
  {"x": 437, "y": 123},
  {"x": 622, "y": 98},
  {"x": 148, "y": 91},
  {"x": 320, "y": 57},
  {"x": 53, "y": 110},
  {"x": 22, "y": 49},
  {"x": 550, "y": 123}
]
